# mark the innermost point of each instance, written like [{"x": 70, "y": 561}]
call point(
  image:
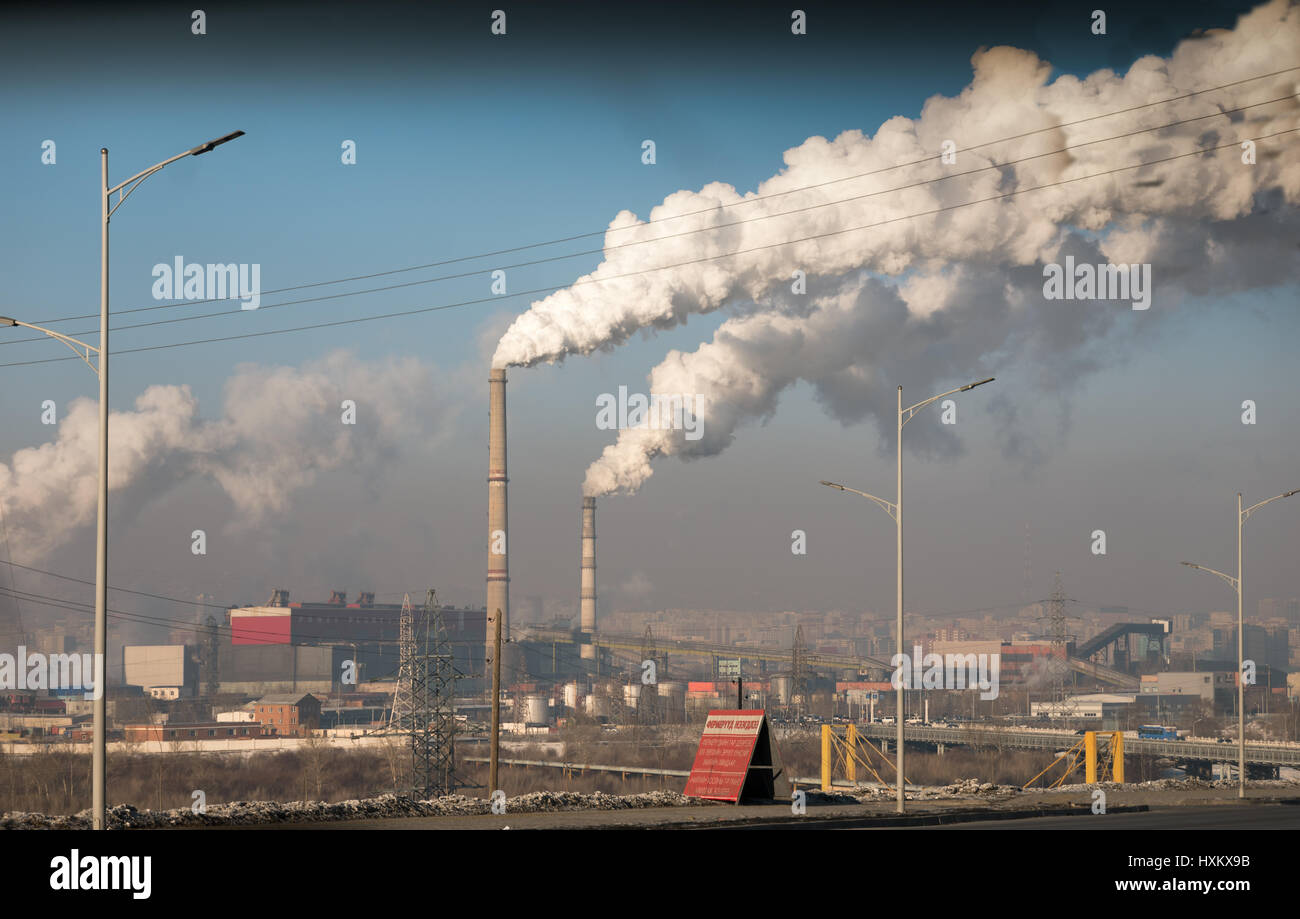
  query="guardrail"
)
[
  {"x": 585, "y": 767},
  {"x": 1264, "y": 754}
]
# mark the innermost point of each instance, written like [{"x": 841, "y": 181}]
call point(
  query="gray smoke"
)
[{"x": 279, "y": 428}]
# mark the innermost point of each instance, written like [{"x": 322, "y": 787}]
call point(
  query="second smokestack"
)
[
  {"x": 587, "y": 594},
  {"x": 498, "y": 566}
]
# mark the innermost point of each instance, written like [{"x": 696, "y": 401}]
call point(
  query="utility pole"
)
[
  {"x": 1236, "y": 583},
  {"x": 212, "y": 674},
  {"x": 895, "y": 510},
  {"x": 496, "y": 704}
]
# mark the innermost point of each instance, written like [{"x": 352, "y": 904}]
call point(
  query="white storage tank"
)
[
  {"x": 535, "y": 709},
  {"x": 598, "y": 706},
  {"x": 781, "y": 688},
  {"x": 632, "y": 695}
]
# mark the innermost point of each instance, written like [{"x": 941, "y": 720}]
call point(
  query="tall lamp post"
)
[
  {"x": 1242, "y": 516},
  {"x": 107, "y": 209},
  {"x": 895, "y": 510}
]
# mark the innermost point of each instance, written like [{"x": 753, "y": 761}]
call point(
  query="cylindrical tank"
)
[
  {"x": 672, "y": 701},
  {"x": 535, "y": 709},
  {"x": 598, "y": 705},
  {"x": 631, "y": 695},
  {"x": 781, "y": 686},
  {"x": 571, "y": 695}
]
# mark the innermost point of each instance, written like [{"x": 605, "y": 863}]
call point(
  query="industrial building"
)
[
  {"x": 180, "y": 733},
  {"x": 1201, "y": 685},
  {"x": 304, "y": 647},
  {"x": 162, "y": 671},
  {"x": 1104, "y": 708}
]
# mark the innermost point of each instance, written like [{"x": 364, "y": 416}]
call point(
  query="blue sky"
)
[{"x": 465, "y": 146}]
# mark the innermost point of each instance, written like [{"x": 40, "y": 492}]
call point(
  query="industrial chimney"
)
[
  {"x": 498, "y": 569},
  {"x": 587, "y": 594}
]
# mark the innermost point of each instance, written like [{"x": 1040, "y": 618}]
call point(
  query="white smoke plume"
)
[
  {"x": 1009, "y": 94},
  {"x": 966, "y": 282},
  {"x": 280, "y": 427},
  {"x": 859, "y": 337}
]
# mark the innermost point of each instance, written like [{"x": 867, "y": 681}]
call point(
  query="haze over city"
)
[
  {"x": 1102, "y": 417},
  {"x": 648, "y": 416}
]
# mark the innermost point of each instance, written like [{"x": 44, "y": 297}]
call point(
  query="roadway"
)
[{"x": 1214, "y": 817}]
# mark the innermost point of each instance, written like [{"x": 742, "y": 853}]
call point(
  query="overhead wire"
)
[
  {"x": 748, "y": 200},
  {"x": 641, "y": 242},
  {"x": 1200, "y": 151}
]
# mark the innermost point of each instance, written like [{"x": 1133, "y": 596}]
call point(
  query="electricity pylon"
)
[
  {"x": 1061, "y": 702},
  {"x": 422, "y": 700}
]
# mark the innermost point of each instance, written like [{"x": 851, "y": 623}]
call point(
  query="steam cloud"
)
[
  {"x": 280, "y": 427},
  {"x": 919, "y": 300}
]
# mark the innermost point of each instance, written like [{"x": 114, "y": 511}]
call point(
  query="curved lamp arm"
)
[{"x": 79, "y": 347}]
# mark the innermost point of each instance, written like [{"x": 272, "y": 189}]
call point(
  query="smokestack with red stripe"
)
[
  {"x": 498, "y": 569},
  {"x": 587, "y": 594}
]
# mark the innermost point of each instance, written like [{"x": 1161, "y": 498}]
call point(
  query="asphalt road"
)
[
  {"x": 1216, "y": 817},
  {"x": 938, "y": 816}
]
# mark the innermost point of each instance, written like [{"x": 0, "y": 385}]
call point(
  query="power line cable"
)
[
  {"x": 359, "y": 319},
  {"x": 641, "y": 242},
  {"x": 78, "y": 606}
]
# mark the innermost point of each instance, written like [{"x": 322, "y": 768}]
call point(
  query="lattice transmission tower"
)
[
  {"x": 799, "y": 672},
  {"x": 1060, "y": 669},
  {"x": 422, "y": 700},
  {"x": 647, "y": 702}
]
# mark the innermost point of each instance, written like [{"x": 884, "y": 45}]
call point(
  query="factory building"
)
[
  {"x": 162, "y": 671},
  {"x": 1201, "y": 685},
  {"x": 304, "y": 647}
]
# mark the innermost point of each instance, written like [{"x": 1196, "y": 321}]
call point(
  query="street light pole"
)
[
  {"x": 1241, "y": 667},
  {"x": 101, "y": 521},
  {"x": 898, "y": 587},
  {"x": 1242, "y": 517},
  {"x": 106, "y": 211},
  {"x": 895, "y": 510}
]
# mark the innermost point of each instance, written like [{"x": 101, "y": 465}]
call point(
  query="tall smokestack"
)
[
  {"x": 587, "y": 595},
  {"x": 498, "y": 568}
]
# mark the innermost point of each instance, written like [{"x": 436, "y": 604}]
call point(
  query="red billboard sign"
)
[{"x": 736, "y": 758}]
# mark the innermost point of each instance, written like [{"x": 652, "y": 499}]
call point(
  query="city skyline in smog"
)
[{"x": 808, "y": 229}]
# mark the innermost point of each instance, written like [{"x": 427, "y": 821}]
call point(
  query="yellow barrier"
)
[
  {"x": 1086, "y": 750},
  {"x": 850, "y": 750}
]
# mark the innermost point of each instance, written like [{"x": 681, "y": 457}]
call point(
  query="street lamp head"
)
[
  {"x": 5, "y": 320},
  {"x": 980, "y": 383},
  {"x": 1189, "y": 565},
  {"x": 204, "y": 148},
  {"x": 832, "y": 485}
]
